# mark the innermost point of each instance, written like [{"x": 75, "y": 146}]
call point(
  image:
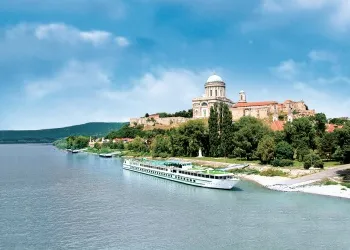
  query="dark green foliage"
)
[
  {"x": 61, "y": 144},
  {"x": 320, "y": 123},
  {"x": 192, "y": 136},
  {"x": 77, "y": 142},
  {"x": 343, "y": 141},
  {"x": 51, "y": 135},
  {"x": 226, "y": 133},
  {"x": 284, "y": 151},
  {"x": 161, "y": 145},
  {"x": 266, "y": 149},
  {"x": 246, "y": 139},
  {"x": 300, "y": 133},
  {"x": 213, "y": 133},
  {"x": 127, "y": 132},
  {"x": 338, "y": 121},
  {"x": 327, "y": 145},
  {"x": 313, "y": 160},
  {"x": 279, "y": 136},
  {"x": 146, "y": 115},
  {"x": 183, "y": 113},
  {"x": 138, "y": 145}
]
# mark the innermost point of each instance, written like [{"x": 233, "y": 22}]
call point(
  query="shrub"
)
[
  {"x": 313, "y": 160},
  {"x": 284, "y": 151},
  {"x": 319, "y": 164},
  {"x": 272, "y": 172}
]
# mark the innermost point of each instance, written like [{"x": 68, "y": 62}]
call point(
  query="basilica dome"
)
[{"x": 214, "y": 78}]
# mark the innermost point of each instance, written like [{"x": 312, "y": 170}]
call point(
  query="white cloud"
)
[
  {"x": 336, "y": 12},
  {"x": 68, "y": 34},
  {"x": 75, "y": 76},
  {"x": 122, "y": 41},
  {"x": 62, "y": 33},
  {"x": 84, "y": 92},
  {"x": 287, "y": 69},
  {"x": 322, "y": 55}
]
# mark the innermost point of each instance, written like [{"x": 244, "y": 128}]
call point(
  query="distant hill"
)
[{"x": 50, "y": 135}]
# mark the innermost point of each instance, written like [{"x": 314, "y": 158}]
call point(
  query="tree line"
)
[
  {"x": 183, "y": 113},
  {"x": 304, "y": 139}
]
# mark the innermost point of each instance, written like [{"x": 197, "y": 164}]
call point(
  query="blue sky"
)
[{"x": 74, "y": 61}]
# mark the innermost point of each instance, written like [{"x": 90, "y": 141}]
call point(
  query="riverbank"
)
[
  {"x": 279, "y": 181},
  {"x": 285, "y": 182}
]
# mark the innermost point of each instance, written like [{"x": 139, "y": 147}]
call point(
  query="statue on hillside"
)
[{"x": 200, "y": 153}]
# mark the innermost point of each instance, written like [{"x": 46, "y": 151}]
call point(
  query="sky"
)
[{"x": 70, "y": 62}]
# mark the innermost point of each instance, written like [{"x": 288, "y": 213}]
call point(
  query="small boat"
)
[
  {"x": 73, "y": 151},
  {"x": 106, "y": 155}
]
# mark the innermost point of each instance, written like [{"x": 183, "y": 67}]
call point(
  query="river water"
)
[{"x": 53, "y": 200}]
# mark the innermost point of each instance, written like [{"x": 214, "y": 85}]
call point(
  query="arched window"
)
[
  {"x": 216, "y": 92},
  {"x": 211, "y": 92},
  {"x": 221, "y": 93}
]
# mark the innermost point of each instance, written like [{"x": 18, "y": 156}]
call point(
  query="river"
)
[{"x": 50, "y": 199}]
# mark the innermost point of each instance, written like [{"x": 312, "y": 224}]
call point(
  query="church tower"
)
[
  {"x": 242, "y": 96},
  {"x": 215, "y": 87},
  {"x": 215, "y": 92}
]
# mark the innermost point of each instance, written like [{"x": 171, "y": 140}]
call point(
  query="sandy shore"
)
[{"x": 275, "y": 183}]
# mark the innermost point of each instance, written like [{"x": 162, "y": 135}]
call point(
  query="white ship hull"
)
[{"x": 186, "y": 179}]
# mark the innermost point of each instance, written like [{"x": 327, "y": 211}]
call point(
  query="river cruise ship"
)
[{"x": 183, "y": 172}]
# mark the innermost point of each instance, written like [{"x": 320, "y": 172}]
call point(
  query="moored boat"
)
[
  {"x": 73, "y": 151},
  {"x": 106, "y": 155},
  {"x": 183, "y": 172}
]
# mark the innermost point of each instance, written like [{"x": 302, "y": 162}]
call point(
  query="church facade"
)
[{"x": 215, "y": 92}]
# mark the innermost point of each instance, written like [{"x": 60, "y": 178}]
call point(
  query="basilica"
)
[{"x": 215, "y": 92}]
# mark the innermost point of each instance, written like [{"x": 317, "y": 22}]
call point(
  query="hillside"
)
[{"x": 50, "y": 135}]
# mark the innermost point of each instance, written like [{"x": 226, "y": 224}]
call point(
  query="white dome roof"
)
[
  {"x": 241, "y": 92},
  {"x": 214, "y": 78}
]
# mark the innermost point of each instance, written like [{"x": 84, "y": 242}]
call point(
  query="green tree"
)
[
  {"x": 266, "y": 149},
  {"x": 327, "y": 145},
  {"x": 320, "y": 124},
  {"x": 246, "y": 139},
  {"x": 301, "y": 134},
  {"x": 343, "y": 141},
  {"x": 226, "y": 131},
  {"x": 279, "y": 136},
  {"x": 193, "y": 134},
  {"x": 213, "y": 124},
  {"x": 138, "y": 145},
  {"x": 146, "y": 115},
  {"x": 284, "y": 151},
  {"x": 161, "y": 145}
]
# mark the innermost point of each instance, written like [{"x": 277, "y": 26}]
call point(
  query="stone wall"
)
[{"x": 167, "y": 121}]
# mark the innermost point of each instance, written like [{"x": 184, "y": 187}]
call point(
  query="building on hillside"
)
[
  {"x": 124, "y": 140},
  {"x": 331, "y": 127},
  {"x": 215, "y": 92},
  {"x": 279, "y": 126}
]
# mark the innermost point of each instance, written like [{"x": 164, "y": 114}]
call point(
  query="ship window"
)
[
  {"x": 211, "y": 177},
  {"x": 216, "y": 177},
  {"x": 207, "y": 176}
]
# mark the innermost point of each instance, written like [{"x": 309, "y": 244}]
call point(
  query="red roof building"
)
[
  {"x": 277, "y": 125},
  {"x": 331, "y": 127}
]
